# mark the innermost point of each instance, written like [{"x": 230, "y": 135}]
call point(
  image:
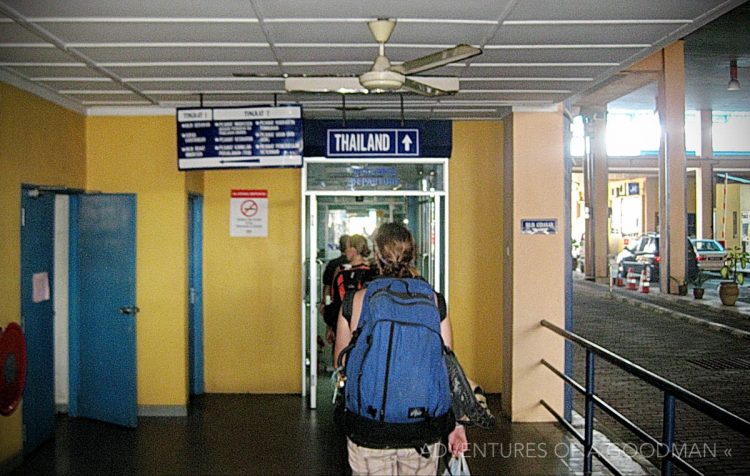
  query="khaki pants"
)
[{"x": 407, "y": 461}]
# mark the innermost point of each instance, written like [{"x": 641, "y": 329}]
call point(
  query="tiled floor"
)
[{"x": 270, "y": 434}]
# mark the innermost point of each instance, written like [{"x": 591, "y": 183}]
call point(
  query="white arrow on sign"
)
[{"x": 407, "y": 143}]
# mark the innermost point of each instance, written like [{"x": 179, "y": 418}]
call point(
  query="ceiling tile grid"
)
[{"x": 164, "y": 53}]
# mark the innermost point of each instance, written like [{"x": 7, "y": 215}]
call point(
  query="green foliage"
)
[
  {"x": 700, "y": 279},
  {"x": 735, "y": 259}
]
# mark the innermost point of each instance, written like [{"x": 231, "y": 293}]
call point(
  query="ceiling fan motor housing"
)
[{"x": 381, "y": 80}]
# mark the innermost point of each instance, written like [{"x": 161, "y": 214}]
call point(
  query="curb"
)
[{"x": 714, "y": 326}]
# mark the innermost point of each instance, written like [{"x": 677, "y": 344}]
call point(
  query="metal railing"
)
[{"x": 672, "y": 392}]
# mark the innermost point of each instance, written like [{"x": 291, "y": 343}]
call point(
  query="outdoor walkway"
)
[
  {"x": 709, "y": 309},
  {"x": 699, "y": 345}
]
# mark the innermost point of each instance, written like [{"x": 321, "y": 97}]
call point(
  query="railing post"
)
[
  {"x": 668, "y": 433},
  {"x": 588, "y": 431}
]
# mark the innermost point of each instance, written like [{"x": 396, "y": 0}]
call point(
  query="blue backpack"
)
[{"x": 397, "y": 392}]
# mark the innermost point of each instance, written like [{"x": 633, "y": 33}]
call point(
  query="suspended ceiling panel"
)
[{"x": 162, "y": 54}]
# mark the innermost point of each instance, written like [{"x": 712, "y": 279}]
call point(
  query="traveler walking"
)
[{"x": 397, "y": 403}]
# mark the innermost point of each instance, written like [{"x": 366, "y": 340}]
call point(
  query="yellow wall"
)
[
  {"x": 138, "y": 155},
  {"x": 43, "y": 144},
  {"x": 251, "y": 285},
  {"x": 725, "y": 231},
  {"x": 476, "y": 234},
  {"x": 252, "y": 289},
  {"x": 194, "y": 182}
]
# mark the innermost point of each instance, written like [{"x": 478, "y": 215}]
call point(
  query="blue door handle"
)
[{"x": 130, "y": 310}]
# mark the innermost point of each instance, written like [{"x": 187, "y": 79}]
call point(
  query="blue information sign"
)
[
  {"x": 539, "y": 226},
  {"x": 372, "y": 143},
  {"x": 239, "y": 137}
]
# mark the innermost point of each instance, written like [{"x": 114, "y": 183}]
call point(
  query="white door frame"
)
[{"x": 309, "y": 315}]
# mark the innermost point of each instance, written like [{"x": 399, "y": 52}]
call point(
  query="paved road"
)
[{"x": 676, "y": 350}]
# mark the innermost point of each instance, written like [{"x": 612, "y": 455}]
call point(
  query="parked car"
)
[
  {"x": 644, "y": 251},
  {"x": 711, "y": 254}
]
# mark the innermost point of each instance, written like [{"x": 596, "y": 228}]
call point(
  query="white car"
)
[{"x": 711, "y": 254}]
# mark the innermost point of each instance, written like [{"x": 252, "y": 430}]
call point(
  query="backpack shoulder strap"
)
[
  {"x": 347, "y": 307},
  {"x": 442, "y": 306}
]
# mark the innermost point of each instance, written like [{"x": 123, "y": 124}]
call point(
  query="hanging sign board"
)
[
  {"x": 372, "y": 143},
  {"x": 248, "y": 213},
  {"x": 539, "y": 226},
  {"x": 378, "y": 139},
  {"x": 239, "y": 137}
]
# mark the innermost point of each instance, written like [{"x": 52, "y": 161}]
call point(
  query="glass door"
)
[{"x": 337, "y": 200}]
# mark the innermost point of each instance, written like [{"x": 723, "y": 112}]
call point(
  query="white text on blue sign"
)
[
  {"x": 539, "y": 226},
  {"x": 372, "y": 143}
]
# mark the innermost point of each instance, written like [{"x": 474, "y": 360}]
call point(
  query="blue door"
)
[
  {"x": 104, "y": 311},
  {"x": 37, "y": 315},
  {"x": 195, "y": 298}
]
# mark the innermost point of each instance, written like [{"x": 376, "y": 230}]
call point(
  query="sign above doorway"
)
[
  {"x": 378, "y": 139},
  {"x": 372, "y": 143}
]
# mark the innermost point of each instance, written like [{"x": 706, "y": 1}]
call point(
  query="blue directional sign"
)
[
  {"x": 539, "y": 226},
  {"x": 372, "y": 143},
  {"x": 634, "y": 188},
  {"x": 239, "y": 137}
]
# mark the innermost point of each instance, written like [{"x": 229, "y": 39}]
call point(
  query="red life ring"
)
[{"x": 12, "y": 367}]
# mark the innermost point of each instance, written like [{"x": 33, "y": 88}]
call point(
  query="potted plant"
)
[
  {"x": 729, "y": 291},
  {"x": 698, "y": 282},
  {"x": 682, "y": 286}
]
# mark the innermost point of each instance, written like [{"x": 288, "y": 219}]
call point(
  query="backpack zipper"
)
[
  {"x": 361, "y": 371},
  {"x": 387, "y": 372}
]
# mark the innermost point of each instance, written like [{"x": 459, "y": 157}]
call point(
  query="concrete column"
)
[
  {"x": 672, "y": 172},
  {"x": 704, "y": 180},
  {"x": 534, "y": 264},
  {"x": 704, "y": 200},
  {"x": 650, "y": 204},
  {"x": 596, "y": 178}
]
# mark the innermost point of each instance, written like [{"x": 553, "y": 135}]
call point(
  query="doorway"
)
[
  {"x": 78, "y": 308},
  {"x": 355, "y": 197},
  {"x": 195, "y": 293}
]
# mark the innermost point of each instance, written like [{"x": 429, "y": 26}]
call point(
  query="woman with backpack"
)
[
  {"x": 348, "y": 278},
  {"x": 391, "y": 335}
]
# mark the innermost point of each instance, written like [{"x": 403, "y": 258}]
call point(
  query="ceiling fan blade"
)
[
  {"x": 424, "y": 89},
  {"x": 435, "y": 60},
  {"x": 324, "y": 84},
  {"x": 242, "y": 74}
]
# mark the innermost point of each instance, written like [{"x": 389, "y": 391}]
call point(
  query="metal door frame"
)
[{"x": 309, "y": 224}]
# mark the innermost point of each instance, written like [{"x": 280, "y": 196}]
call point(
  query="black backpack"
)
[{"x": 353, "y": 279}]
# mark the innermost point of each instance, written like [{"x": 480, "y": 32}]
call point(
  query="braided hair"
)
[{"x": 396, "y": 251}]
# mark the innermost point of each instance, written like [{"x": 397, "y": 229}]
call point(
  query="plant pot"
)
[
  {"x": 698, "y": 293},
  {"x": 728, "y": 293},
  {"x": 682, "y": 289}
]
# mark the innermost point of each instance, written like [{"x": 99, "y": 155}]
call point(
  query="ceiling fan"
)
[{"x": 385, "y": 77}]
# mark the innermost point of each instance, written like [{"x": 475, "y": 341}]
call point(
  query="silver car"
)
[{"x": 711, "y": 254}]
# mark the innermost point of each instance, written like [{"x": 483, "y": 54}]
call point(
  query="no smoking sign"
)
[
  {"x": 248, "y": 213},
  {"x": 249, "y": 208}
]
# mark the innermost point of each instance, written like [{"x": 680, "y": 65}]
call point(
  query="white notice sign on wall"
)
[{"x": 248, "y": 213}]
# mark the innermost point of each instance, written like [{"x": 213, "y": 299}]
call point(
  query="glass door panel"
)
[{"x": 335, "y": 205}]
